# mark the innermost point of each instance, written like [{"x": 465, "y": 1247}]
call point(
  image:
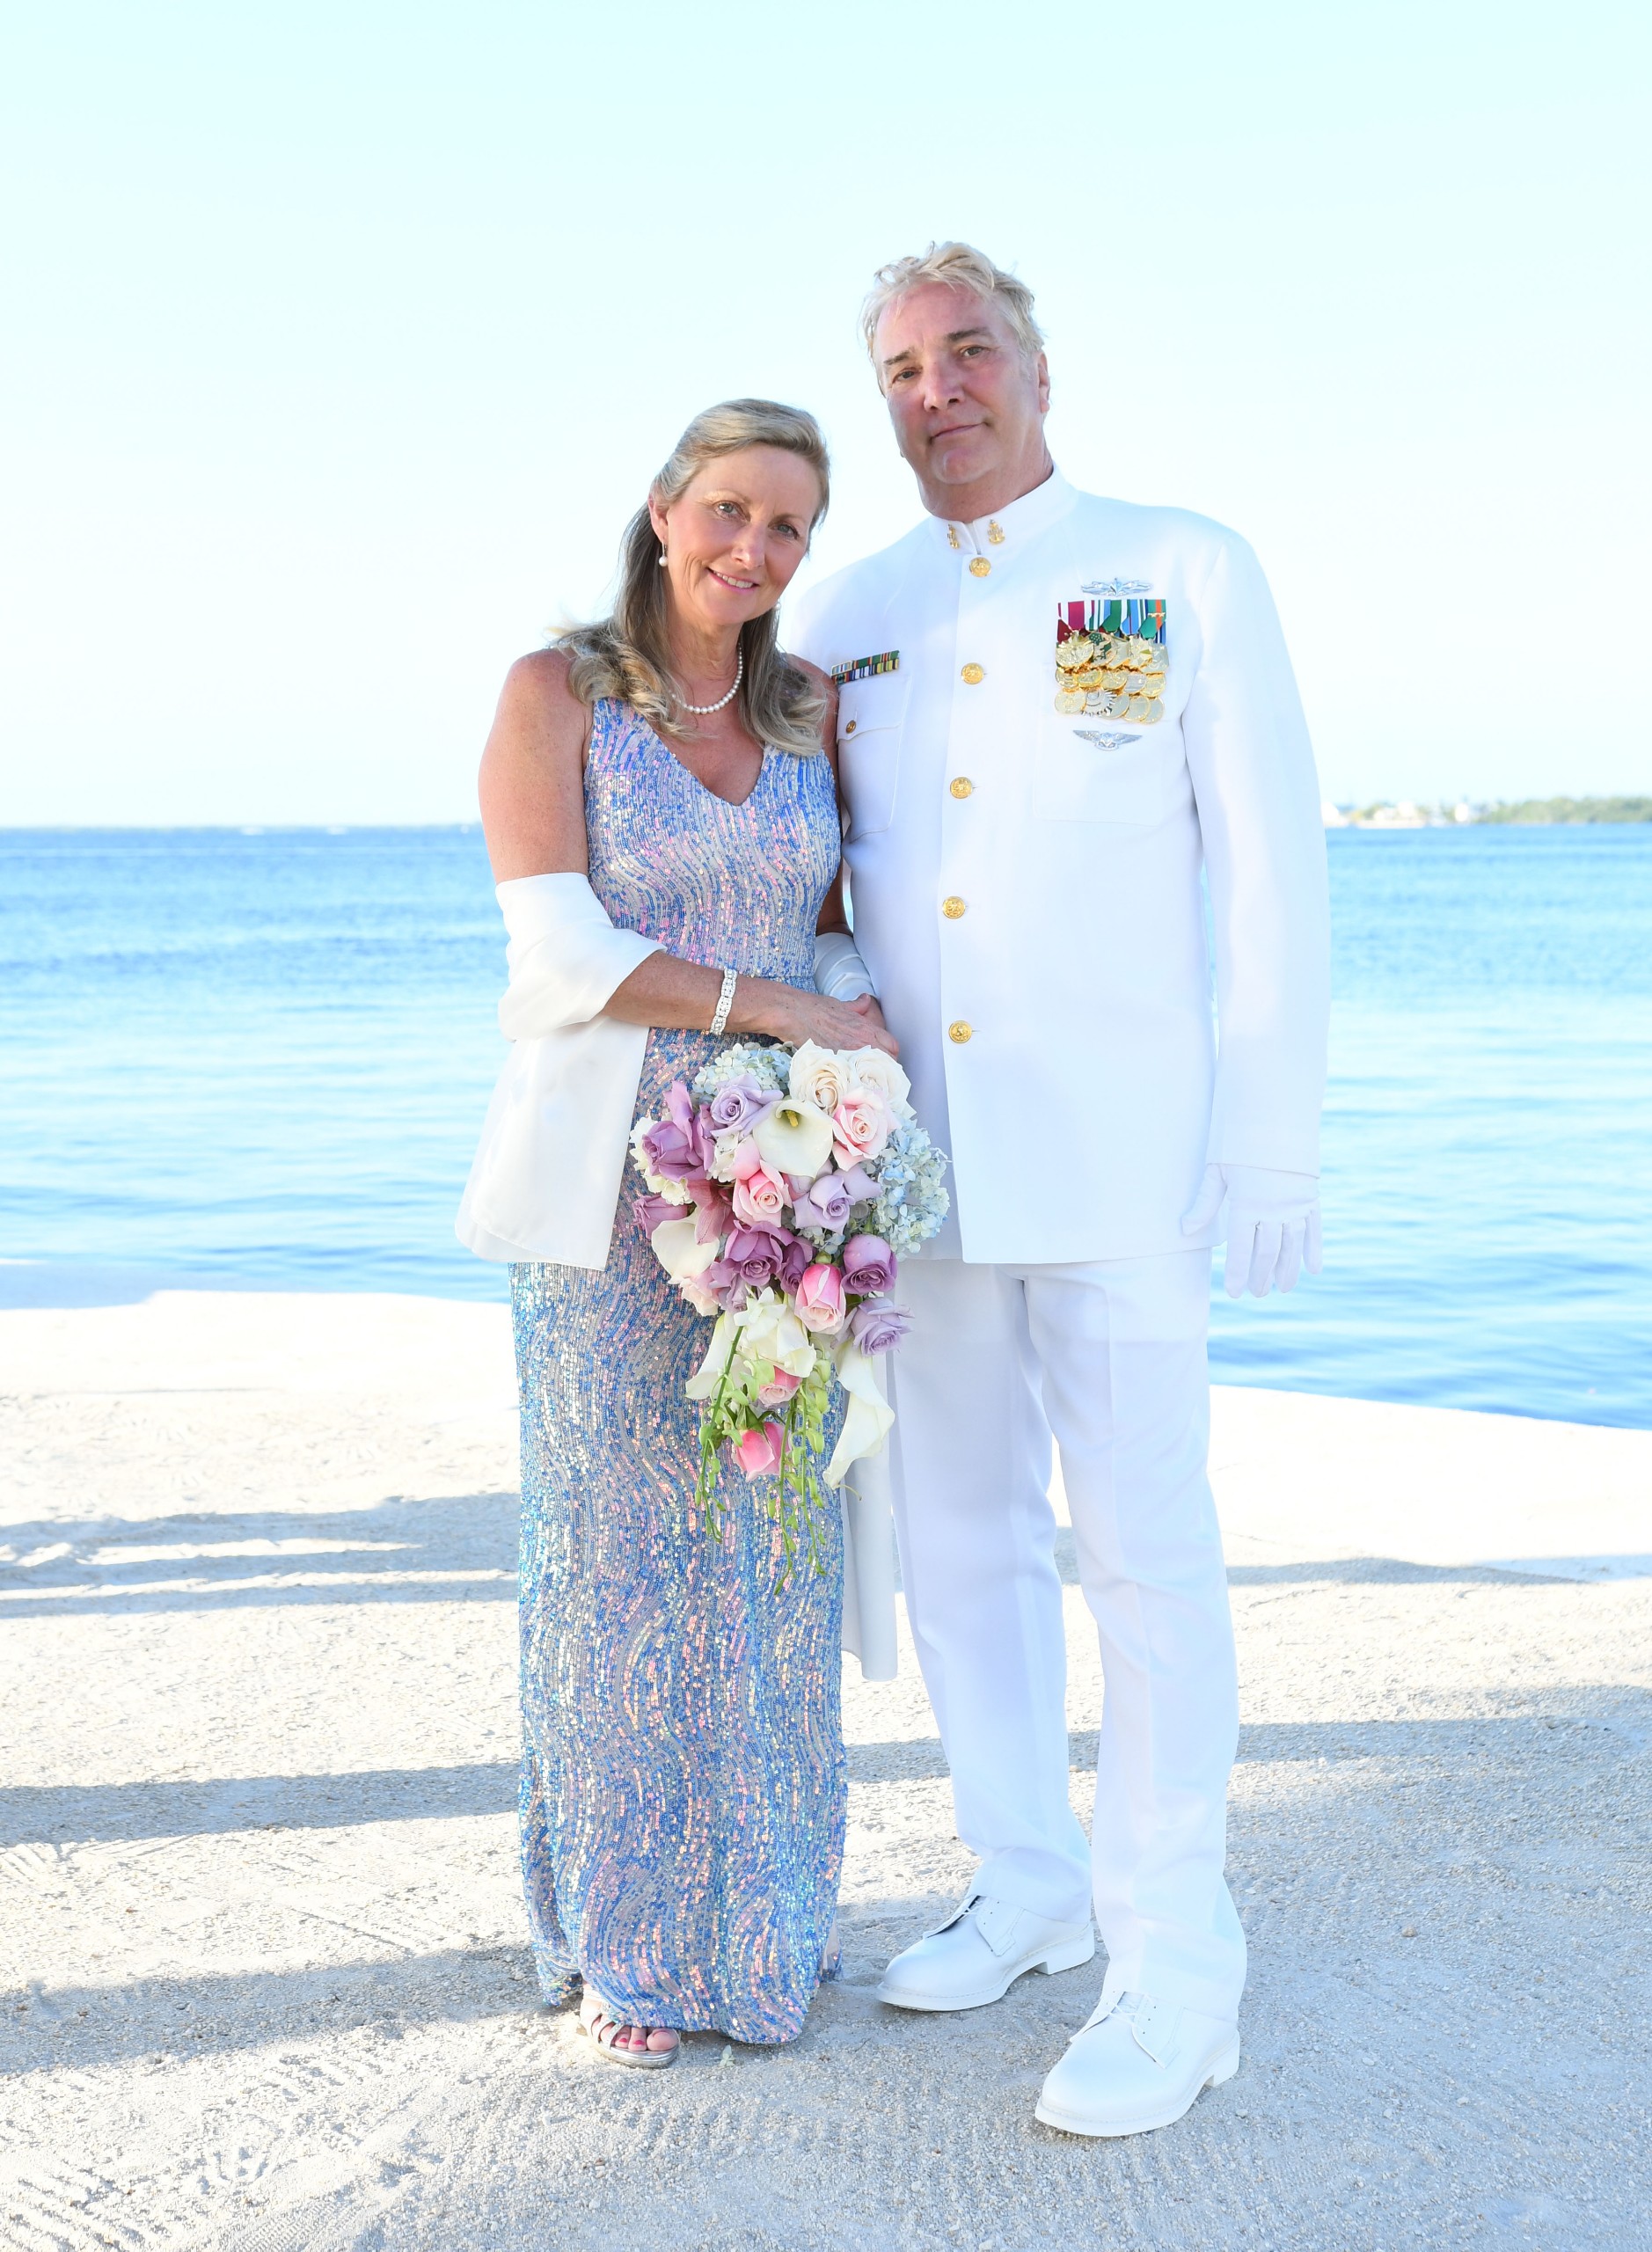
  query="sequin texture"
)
[{"x": 682, "y": 1787}]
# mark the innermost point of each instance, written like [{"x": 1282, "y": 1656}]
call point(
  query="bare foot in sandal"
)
[{"x": 649, "y": 2047}]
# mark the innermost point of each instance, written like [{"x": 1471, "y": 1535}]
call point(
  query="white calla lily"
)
[
  {"x": 793, "y": 1137},
  {"x": 868, "y": 1419},
  {"x": 678, "y": 1250}
]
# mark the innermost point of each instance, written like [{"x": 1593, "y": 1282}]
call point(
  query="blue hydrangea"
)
[{"x": 768, "y": 1066}]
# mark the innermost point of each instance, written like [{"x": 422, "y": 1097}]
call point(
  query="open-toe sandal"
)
[{"x": 601, "y": 2028}]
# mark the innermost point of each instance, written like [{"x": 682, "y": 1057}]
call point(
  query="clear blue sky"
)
[{"x": 342, "y": 338}]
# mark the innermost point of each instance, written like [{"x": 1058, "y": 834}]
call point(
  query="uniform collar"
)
[{"x": 999, "y": 537}]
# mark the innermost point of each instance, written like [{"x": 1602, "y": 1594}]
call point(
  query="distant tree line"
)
[{"x": 1537, "y": 810}]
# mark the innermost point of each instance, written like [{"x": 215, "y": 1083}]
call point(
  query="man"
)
[{"x": 1054, "y": 711}]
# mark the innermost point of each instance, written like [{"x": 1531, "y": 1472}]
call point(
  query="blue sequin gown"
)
[{"x": 683, "y": 1787}]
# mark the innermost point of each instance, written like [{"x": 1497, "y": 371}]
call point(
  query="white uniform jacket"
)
[{"x": 1025, "y": 879}]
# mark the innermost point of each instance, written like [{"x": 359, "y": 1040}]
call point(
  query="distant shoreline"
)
[{"x": 1527, "y": 813}]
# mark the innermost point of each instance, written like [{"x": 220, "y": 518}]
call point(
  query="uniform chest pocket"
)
[
  {"x": 1114, "y": 774},
  {"x": 871, "y": 716}
]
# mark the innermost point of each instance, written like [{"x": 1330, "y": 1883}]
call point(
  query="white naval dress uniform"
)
[{"x": 1025, "y": 886}]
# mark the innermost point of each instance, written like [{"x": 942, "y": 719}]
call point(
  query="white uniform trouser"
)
[{"x": 1110, "y": 1358}]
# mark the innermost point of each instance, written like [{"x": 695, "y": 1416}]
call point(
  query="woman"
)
[{"x": 660, "y": 802}]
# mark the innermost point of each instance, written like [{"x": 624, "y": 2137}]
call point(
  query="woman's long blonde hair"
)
[{"x": 628, "y": 655}]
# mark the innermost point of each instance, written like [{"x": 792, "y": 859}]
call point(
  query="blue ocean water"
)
[{"x": 260, "y": 1059}]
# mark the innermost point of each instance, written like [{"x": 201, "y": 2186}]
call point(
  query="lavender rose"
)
[
  {"x": 879, "y": 1325},
  {"x": 795, "y": 1259},
  {"x": 679, "y": 1147},
  {"x": 861, "y": 1185},
  {"x": 654, "y": 1211},
  {"x": 738, "y": 1104},
  {"x": 756, "y": 1255},
  {"x": 826, "y": 1205},
  {"x": 869, "y": 1267}
]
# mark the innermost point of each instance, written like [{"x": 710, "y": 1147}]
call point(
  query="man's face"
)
[{"x": 966, "y": 405}]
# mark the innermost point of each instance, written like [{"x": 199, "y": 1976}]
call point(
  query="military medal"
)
[{"x": 1111, "y": 658}]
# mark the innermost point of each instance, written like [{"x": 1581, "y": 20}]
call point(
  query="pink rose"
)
[
  {"x": 820, "y": 1297},
  {"x": 746, "y": 1160},
  {"x": 757, "y": 1450},
  {"x": 778, "y": 1389},
  {"x": 760, "y": 1198},
  {"x": 861, "y": 1124}
]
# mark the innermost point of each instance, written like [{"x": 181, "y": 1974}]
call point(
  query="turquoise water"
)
[{"x": 260, "y": 1059}]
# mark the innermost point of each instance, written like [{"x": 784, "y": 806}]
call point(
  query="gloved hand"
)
[{"x": 1273, "y": 1226}]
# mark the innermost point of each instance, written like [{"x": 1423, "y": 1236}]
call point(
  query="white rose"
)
[
  {"x": 793, "y": 1137},
  {"x": 820, "y": 1076},
  {"x": 771, "y": 1331},
  {"x": 723, "y": 1147},
  {"x": 870, "y": 1067}
]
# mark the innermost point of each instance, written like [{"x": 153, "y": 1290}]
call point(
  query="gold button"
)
[
  {"x": 852, "y": 725},
  {"x": 974, "y": 674},
  {"x": 961, "y": 786},
  {"x": 979, "y": 568},
  {"x": 953, "y": 908},
  {"x": 960, "y": 1032}
]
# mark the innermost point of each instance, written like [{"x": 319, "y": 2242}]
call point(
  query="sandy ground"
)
[{"x": 266, "y": 1982}]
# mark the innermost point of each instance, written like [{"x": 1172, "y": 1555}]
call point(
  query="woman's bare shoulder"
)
[{"x": 538, "y": 683}]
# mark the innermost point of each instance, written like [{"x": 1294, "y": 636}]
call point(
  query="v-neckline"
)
[{"x": 734, "y": 805}]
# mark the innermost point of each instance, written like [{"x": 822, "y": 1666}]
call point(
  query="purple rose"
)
[
  {"x": 793, "y": 1261},
  {"x": 653, "y": 1211},
  {"x": 756, "y": 1255},
  {"x": 736, "y": 1106},
  {"x": 679, "y": 1147},
  {"x": 726, "y": 1285},
  {"x": 859, "y": 1184},
  {"x": 826, "y": 1205},
  {"x": 878, "y": 1323},
  {"x": 869, "y": 1267}
]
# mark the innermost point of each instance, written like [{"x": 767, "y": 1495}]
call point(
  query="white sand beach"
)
[{"x": 265, "y": 1978}]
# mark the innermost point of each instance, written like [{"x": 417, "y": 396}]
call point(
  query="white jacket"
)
[
  {"x": 547, "y": 1174},
  {"x": 1025, "y": 881}
]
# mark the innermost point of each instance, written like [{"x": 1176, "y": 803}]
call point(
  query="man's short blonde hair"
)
[{"x": 964, "y": 268}]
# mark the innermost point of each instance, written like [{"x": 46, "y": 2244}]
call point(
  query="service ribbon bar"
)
[
  {"x": 1139, "y": 621},
  {"x": 867, "y": 668}
]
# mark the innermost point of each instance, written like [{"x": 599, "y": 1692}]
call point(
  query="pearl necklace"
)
[{"x": 740, "y": 674}]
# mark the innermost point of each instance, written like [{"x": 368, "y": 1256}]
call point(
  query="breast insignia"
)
[
  {"x": 867, "y": 668},
  {"x": 1111, "y": 658},
  {"x": 1104, "y": 742}
]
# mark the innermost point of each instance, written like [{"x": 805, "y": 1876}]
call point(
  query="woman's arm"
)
[
  {"x": 833, "y": 918},
  {"x": 532, "y": 793}
]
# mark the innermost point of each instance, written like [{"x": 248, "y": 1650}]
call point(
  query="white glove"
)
[
  {"x": 1273, "y": 1226},
  {"x": 839, "y": 972}
]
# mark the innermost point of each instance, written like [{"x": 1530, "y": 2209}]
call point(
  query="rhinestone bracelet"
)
[{"x": 725, "y": 1001}]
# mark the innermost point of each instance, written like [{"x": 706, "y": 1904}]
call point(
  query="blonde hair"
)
[
  {"x": 628, "y": 654},
  {"x": 964, "y": 268}
]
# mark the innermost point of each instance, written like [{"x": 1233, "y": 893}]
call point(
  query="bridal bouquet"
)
[{"x": 784, "y": 1188}]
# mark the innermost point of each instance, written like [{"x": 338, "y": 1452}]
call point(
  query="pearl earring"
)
[{"x": 662, "y": 558}]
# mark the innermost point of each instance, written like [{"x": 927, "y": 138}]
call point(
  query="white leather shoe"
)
[
  {"x": 1138, "y": 2065},
  {"x": 978, "y": 1953}
]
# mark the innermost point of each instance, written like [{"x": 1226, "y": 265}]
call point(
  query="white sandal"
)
[{"x": 601, "y": 2028}]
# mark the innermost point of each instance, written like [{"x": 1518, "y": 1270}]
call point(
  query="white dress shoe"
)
[
  {"x": 1138, "y": 2065},
  {"x": 978, "y": 1953}
]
